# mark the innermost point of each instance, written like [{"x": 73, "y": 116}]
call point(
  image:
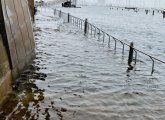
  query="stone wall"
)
[
  {"x": 31, "y": 6},
  {"x": 5, "y": 72},
  {"x": 16, "y": 41},
  {"x": 19, "y": 33}
]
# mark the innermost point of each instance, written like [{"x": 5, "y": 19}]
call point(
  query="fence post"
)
[
  {"x": 95, "y": 32},
  {"x": 99, "y": 35},
  {"x": 130, "y": 57},
  {"x": 81, "y": 24},
  {"x": 86, "y": 26},
  {"x": 163, "y": 14},
  {"x": 68, "y": 18},
  {"x": 103, "y": 37}
]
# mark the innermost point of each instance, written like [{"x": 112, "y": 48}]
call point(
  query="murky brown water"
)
[{"x": 79, "y": 78}]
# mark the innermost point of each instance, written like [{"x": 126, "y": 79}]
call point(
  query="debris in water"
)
[{"x": 63, "y": 109}]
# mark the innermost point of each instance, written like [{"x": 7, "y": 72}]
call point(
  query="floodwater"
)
[
  {"x": 77, "y": 77},
  {"x": 146, "y": 31}
]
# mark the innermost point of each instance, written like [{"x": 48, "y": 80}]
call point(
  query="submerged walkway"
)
[{"x": 78, "y": 78}]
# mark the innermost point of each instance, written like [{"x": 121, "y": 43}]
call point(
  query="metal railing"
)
[{"x": 102, "y": 35}]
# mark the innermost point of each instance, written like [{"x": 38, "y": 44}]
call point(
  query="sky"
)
[
  {"x": 137, "y": 3},
  {"x": 132, "y": 3}
]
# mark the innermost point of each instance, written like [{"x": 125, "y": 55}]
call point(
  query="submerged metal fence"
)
[{"x": 92, "y": 30}]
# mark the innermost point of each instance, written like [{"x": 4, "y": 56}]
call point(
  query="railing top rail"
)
[{"x": 77, "y": 18}]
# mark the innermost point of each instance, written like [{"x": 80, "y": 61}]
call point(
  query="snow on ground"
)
[{"x": 91, "y": 80}]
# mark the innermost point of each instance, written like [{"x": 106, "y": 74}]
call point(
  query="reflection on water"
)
[
  {"x": 24, "y": 92},
  {"x": 79, "y": 78}
]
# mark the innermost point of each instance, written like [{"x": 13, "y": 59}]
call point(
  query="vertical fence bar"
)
[
  {"x": 152, "y": 65},
  {"x": 123, "y": 48},
  {"x": 81, "y": 24},
  {"x": 86, "y": 26},
  {"x": 103, "y": 36},
  {"x": 109, "y": 41},
  {"x": 130, "y": 57},
  {"x": 115, "y": 43},
  {"x": 88, "y": 29},
  {"x": 95, "y": 32},
  {"x": 68, "y": 18},
  {"x": 163, "y": 12},
  {"x": 77, "y": 22},
  {"x": 99, "y": 34}
]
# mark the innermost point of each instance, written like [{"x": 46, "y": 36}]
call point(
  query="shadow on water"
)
[{"x": 24, "y": 92}]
